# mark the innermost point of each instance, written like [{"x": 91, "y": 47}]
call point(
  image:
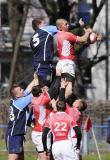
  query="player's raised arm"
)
[
  {"x": 33, "y": 83},
  {"x": 84, "y": 38}
]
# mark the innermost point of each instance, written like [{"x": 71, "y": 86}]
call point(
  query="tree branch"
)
[
  {"x": 96, "y": 10},
  {"x": 17, "y": 44}
]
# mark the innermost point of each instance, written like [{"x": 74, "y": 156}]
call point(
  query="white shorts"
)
[
  {"x": 37, "y": 140},
  {"x": 66, "y": 66},
  {"x": 74, "y": 141},
  {"x": 63, "y": 150}
]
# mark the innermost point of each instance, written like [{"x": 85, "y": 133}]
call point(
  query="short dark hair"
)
[
  {"x": 83, "y": 101},
  {"x": 36, "y": 22},
  {"x": 12, "y": 92},
  {"x": 61, "y": 106},
  {"x": 36, "y": 90},
  {"x": 84, "y": 105}
]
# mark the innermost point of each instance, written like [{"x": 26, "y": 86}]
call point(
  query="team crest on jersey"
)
[{"x": 11, "y": 114}]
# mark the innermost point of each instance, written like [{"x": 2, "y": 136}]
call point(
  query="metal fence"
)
[
  {"x": 100, "y": 132},
  {"x": 95, "y": 140}
]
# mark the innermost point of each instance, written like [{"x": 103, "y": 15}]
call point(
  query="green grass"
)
[
  {"x": 30, "y": 153},
  {"x": 92, "y": 156},
  {"x": 32, "y": 156},
  {"x": 28, "y": 156}
]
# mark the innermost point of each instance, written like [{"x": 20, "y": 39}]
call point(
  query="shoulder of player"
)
[{"x": 50, "y": 29}]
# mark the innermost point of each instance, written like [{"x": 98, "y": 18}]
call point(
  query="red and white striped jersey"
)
[
  {"x": 40, "y": 110},
  {"x": 65, "y": 45}
]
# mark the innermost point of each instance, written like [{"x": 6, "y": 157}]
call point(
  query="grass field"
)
[
  {"x": 28, "y": 156},
  {"x": 30, "y": 153},
  {"x": 32, "y": 156}
]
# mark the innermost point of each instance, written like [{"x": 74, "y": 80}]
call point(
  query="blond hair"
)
[{"x": 60, "y": 22}]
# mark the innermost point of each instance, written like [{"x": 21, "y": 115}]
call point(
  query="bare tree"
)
[
  {"x": 17, "y": 11},
  {"x": 54, "y": 10}
]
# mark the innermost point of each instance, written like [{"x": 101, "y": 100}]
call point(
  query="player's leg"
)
[
  {"x": 44, "y": 72},
  {"x": 15, "y": 147},
  {"x": 37, "y": 140},
  {"x": 67, "y": 68}
]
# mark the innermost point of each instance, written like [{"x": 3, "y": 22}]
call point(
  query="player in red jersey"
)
[
  {"x": 79, "y": 106},
  {"x": 66, "y": 52},
  {"x": 60, "y": 125},
  {"x": 76, "y": 113},
  {"x": 76, "y": 110},
  {"x": 41, "y": 110}
]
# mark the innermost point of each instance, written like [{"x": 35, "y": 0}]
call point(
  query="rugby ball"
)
[{"x": 92, "y": 38}]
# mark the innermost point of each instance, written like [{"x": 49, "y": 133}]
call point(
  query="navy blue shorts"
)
[
  {"x": 14, "y": 144},
  {"x": 44, "y": 71}
]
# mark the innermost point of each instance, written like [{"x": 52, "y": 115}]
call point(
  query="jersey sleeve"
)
[
  {"x": 44, "y": 138},
  {"x": 22, "y": 102},
  {"x": 71, "y": 37},
  {"x": 45, "y": 98},
  {"x": 26, "y": 92},
  {"x": 51, "y": 29}
]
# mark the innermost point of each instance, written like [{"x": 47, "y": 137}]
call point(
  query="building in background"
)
[
  {"x": 97, "y": 83},
  {"x": 99, "y": 88},
  {"x": 35, "y": 11}
]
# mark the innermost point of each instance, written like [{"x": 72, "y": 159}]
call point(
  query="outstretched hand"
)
[
  {"x": 35, "y": 75},
  {"x": 81, "y": 22},
  {"x": 99, "y": 37}
]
